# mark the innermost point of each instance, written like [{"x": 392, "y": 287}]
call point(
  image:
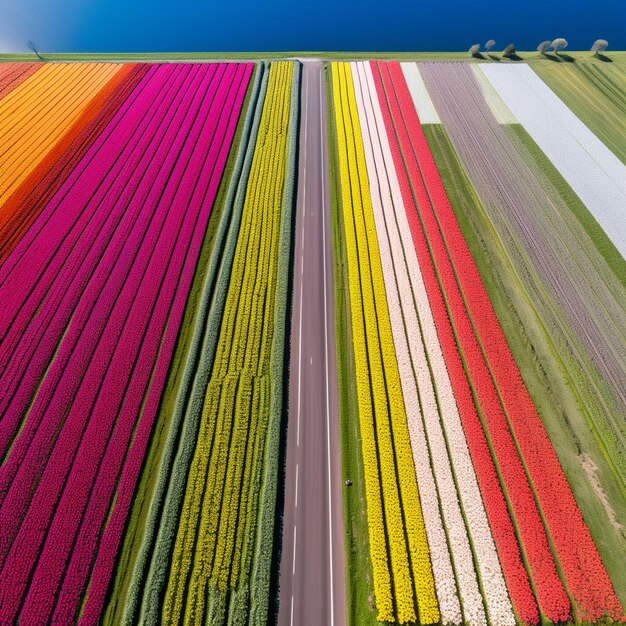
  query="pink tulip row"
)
[
  {"x": 72, "y": 470},
  {"x": 47, "y": 273}
]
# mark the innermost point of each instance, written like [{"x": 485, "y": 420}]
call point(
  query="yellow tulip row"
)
[
  {"x": 217, "y": 529},
  {"x": 398, "y": 545}
]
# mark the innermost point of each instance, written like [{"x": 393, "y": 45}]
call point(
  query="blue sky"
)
[{"x": 249, "y": 25}]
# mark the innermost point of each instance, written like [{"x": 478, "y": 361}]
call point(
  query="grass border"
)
[{"x": 533, "y": 57}]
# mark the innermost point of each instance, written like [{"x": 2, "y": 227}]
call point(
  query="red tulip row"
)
[
  {"x": 72, "y": 469},
  {"x": 14, "y": 74},
  {"x": 510, "y": 418}
]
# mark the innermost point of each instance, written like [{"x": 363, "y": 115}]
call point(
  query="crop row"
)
[
  {"x": 552, "y": 599},
  {"x": 565, "y": 278},
  {"x": 12, "y": 75},
  {"x": 31, "y": 196},
  {"x": 563, "y": 261},
  {"x": 415, "y": 195},
  {"x": 591, "y": 169},
  {"x": 117, "y": 260},
  {"x": 498, "y": 505},
  {"x": 150, "y": 570},
  {"x": 37, "y": 113},
  {"x": 412, "y": 361},
  {"x": 401, "y": 564}
]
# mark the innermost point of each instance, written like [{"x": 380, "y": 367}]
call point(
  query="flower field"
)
[
  {"x": 109, "y": 177},
  {"x": 165, "y": 393},
  {"x": 506, "y": 539},
  {"x": 558, "y": 263}
]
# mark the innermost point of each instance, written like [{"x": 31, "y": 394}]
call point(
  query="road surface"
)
[{"x": 312, "y": 587}]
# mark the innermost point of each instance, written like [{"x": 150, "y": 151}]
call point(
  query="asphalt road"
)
[{"x": 312, "y": 575}]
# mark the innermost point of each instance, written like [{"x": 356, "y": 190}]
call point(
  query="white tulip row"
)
[
  {"x": 424, "y": 106},
  {"x": 417, "y": 345},
  {"x": 596, "y": 175}
]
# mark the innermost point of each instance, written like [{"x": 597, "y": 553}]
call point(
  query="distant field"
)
[
  {"x": 596, "y": 93},
  {"x": 618, "y": 57}
]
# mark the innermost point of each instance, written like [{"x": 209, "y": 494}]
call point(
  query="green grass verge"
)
[
  {"x": 139, "y": 512},
  {"x": 596, "y": 93},
  {"x": 360, "y": 606},
  {"x": 541, "y": 367}
]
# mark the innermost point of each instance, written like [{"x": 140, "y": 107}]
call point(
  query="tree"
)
[
  {"x": 490, "y": 44},
  {"x": 543, "y": 46},
  {"x": 474, "y": 50},
  {"x": 599, "y": 45},
  {"x": 33, "y": 47},
  {"x": 559, "y": 44},
  {"x": 509, "y": 50}
]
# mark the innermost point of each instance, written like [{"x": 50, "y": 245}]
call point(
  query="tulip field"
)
[
  {"x": 110, "y": 174},
  {"x": 495, "y": 534},
  {"x": 158, "y": 239}
]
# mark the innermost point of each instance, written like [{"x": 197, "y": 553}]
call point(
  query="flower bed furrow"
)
[
  {"x": 191, "y": 184},
  {"x": 100, "y": 376},
  {"x": 570, "y": 285},
  {"x": 21, "y": 273},
  {"x": 210, "y": 538}
]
